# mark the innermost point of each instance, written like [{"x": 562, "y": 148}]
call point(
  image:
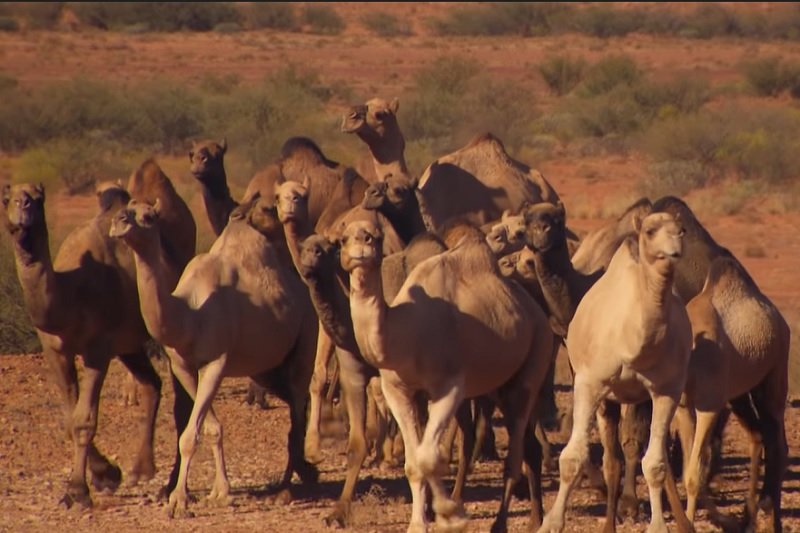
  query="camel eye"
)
[
  {"x": 682, "y": 232},
  {"x": 650, "y": 232}
]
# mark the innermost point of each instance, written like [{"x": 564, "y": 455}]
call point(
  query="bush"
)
[
  {"x": 604, "y": 21},
  {"x": 666, "y": 99},
  {"x": 385, "y": 24},
  {"x": 504, "y": 18},
  {"x": 17, "y": 335},
  {"x": 156, "y": 16},
  {"x": 40, "y": 15},
  {"x": 710, "y": 20},
  {"x": 696, "y": 138},
  {"x": 770, "y": 76},
  {"x": 562, "y": 73},
  {"x": 274, "y": 15},
  {"x": 674, "y": 178},
  {"x": 609, "y": 73},
  {"x": 612, "y": 113},
  {"x": 228, "y": 27},
  {"x": 323, "y": 19},
  {"x": 8, "y": 24}
]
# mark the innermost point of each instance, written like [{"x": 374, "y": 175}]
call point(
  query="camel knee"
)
[
  {"x": 213, "y": 430},
  {"x": 654, "y": 470},
  {"x": 429, "y": 461},
  {"x": 570, "y": 464},
  {"x": 187, "y": 443}
]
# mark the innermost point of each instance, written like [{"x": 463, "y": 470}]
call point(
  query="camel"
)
[
  {"x": 395, "y": 198},
  {"x": 436, "y": 337},
  {"x": 487, "y": 181},
  {"x": 507, "y": 235},
  {"x": 315, "y": 259},
  {"x": 237, "y": 310},
  {"x": 740, "y": 357},
  {"x": 84, "y": 303},
  {"x": 630, "y": 337},
  {"x": 375, "y": 123}
]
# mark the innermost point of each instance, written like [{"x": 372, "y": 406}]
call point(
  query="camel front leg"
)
[
  {"x": 187, "y": 378},
  {"x": 212, "y": 428},
  {"x": 575, "y": 455},
  {"x": 403, "y": 407},
  {"x": 316, "y": 390},
  {"x": 140, "y": 367},
  {"x": 430, "y": 463},
  {"x": 84, "y": 427},
  {"x": 353, "y": 383},
  {"x": 632, "y": 435},
  {"x": 656, "y": 469},
  {"x": 467, "y": 427},
  {"x": 608, "y": 416}
]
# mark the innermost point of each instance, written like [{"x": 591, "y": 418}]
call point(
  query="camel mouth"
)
[{"x": 352, "y": 122}]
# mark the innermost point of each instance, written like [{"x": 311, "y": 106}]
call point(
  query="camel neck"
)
[
  {"x": 40, "y": 287},
  {"x": 655, "y": 289},
  {"x": 164, "y": 315},
  {"x": 407, "y": 221},
  {"x": 369, "y": 312},
  {"x": 295, "y": 233},
  {"x": 333, "y": 308},
  {"x": 388, "y": 153},
  {"x": 218, "y": 201},
  {"x": 558, "y": 282}
]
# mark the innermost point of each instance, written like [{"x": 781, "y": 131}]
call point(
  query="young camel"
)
[
  {"x": 630, "y": 337},
  {"x": 456, "y": 330},
  {"x": 85, "y": 303},
  {"x": 315, "y": 259},
  {"x": 236, "y": 311}
]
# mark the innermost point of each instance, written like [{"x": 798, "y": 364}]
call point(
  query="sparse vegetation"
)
[
  {"x": 273, "y": 15},
  {"x": 323, "y": 19},
  {"x": 562, "y": 73},
  {"x": 156, "y": 16},
  {"x": 16, "y": 332},
  {"x": 385, "y": 24},
  {"x": 770, "y": 76}
]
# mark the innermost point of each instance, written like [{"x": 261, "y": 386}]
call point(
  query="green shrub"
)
[
  {"x": 274, "y": 15},
  {"x": 17, "y": 335},
  {"x": 228, "y": 27},
  {"x": 604, "y": 21},
  {"x": 608, "y": 73},
  {"x": 385, "y": 24},
  {"x": 770, "y": 76},
  {"x": 710, "y": 20},
  {"x": 504, "y": 18},
  {"x": 674, "y": 178},
  {"x": 156, "y": 16},
  {"x": 40, "y": 15},
  {"x": 562, "y": 73},
  {"x": 615, "y": 112},
  {"x": 323, "y": 19},
  {"x": 696, "y": 137},
  {"x": 665, "y": 99},
  {"x": 8, "y": 24}
]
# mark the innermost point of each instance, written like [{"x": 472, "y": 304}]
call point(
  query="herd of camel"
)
[{"x": 442, "y": 297}]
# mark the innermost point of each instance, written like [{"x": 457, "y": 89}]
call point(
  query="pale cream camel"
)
[
  {"x": 237, "y": 310},
  {"x": 456, "y": 330},
  {"x": 84, "y": 303},
  {"x": 630, "y": 338},
  {"x": 507, "y": 235},
  {"x": 375, "y": 123}
]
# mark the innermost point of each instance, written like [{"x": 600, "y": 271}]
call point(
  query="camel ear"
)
[
  {"x": 506, "y": 214},
  {"x": 560, "y": 209},
  {"x": 224, "y": 145},
  {"x": 394, "y": 105},
  {"x": 306, "y": 182},
  {"x": 157, "y": 207},
  {"x": 6, "y": 196},
  {"x": 39, "y": 189},
  {"x": 281, "y": 179},
  {"x": 637, "y": 222}
]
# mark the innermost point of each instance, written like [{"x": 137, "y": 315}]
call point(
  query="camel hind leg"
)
[
  {"x": 318, "y": 378},
  {"x": 608, "y": 416},
  {"x": 139, "y": 365},
  {"x": 748, "y": 417}
]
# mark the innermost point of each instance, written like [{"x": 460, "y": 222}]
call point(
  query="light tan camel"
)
[
  {"x": 237, "y": 310},
  {"x": 507, "y": 235},
  {"x": 85, "y": 303},
  {"x": 630, "y": 338},
  {"x": 456, "y": 330},
  {"x": 314, "y": 259},
  {"x": 478, "y": 181},
  {"x": 375, "y": 123},
  {"x": 722, "y": 371}
]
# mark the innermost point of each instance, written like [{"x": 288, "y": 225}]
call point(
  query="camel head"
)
[
  {"x": 526, "y": 264},
  {"x": 111, "y": 195},
  {"x": 660, "y": 241},
  {"x": 546, "y": 226},
  {"x": 206, "y": 161},
  {"x": 24, "y": 206},
  {"x": 361, "y": 245},
  {"x": 317, "y": 254},
  {"x": 262, "y": 215},
  {"x": 372, "y": 119},
  {"x": 508, "y": 235},
  {"x": 291, "y": 199},
  {"x": 508, "y": 264},
  {"x": 136, "y": 224},
  {"x": 392, "y": 192}
]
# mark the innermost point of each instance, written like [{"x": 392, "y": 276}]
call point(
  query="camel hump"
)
[
  {"x": 727, "y": 271},
  {"x": 643, "y": 204},
  {"x": 148, "y": 181},
  {"x": 486, "y": 140},
  {"x": 306, "y": 149}
]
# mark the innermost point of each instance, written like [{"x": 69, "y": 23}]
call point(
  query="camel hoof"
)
[
  {"x": 417, "y": 528},
  {"x": 550, "y": 525},
  {"x": 628, "y": 507},
  {"x": 282, "y": 497},
  {"x": 309, "y": 474},
  {"x": 340, "y": 517},
  {"x": 176, "y": 508},
  {"x": 314, "y": 457},
  {"x": 499, "y": 526},
  {"x": 109, "y": 478},
  {"x": 140, "y": 473},
  {"x": 77, "y": 497}
]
